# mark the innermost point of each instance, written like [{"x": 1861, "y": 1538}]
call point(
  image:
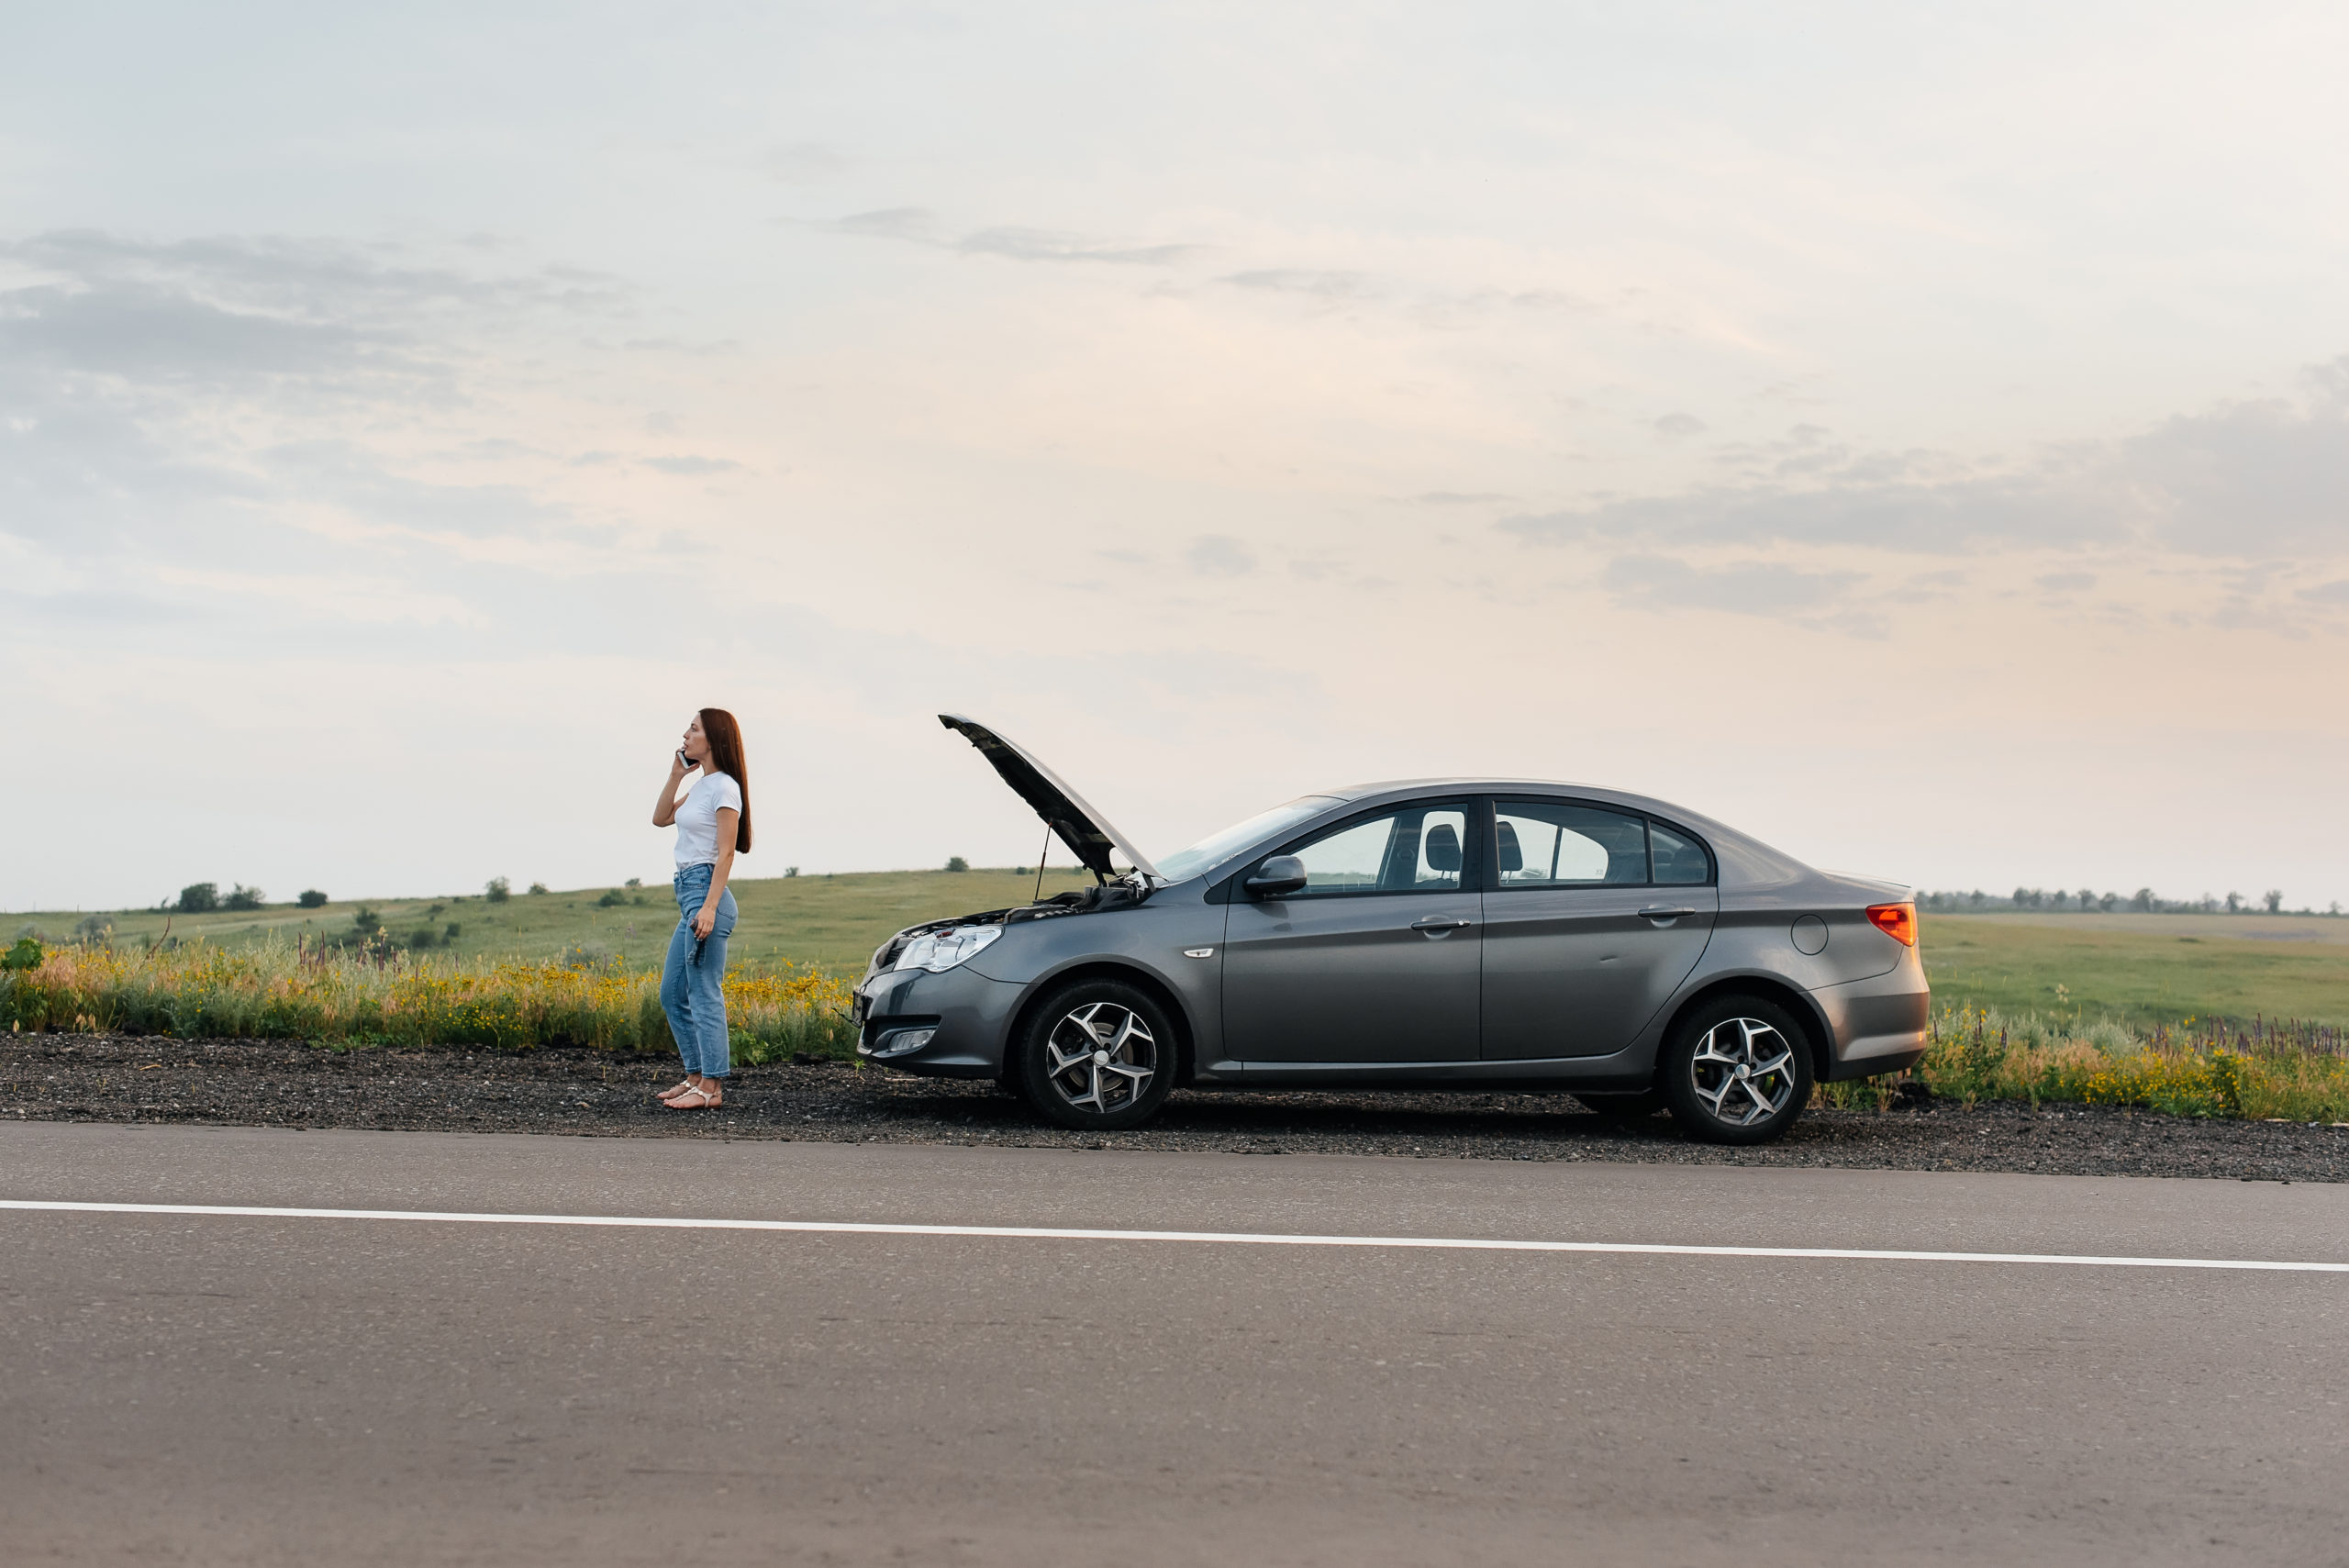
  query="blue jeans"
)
[{"x": 694, "y": 994}]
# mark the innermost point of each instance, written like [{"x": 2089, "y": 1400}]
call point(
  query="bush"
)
[
  {"x": 497, "y": 890},
  {"x": 956, "y": 863},
  {"x": 634, "y": 882},
  {"x": 243, "y": 897},
  {"x": 791, "y": 870},
  {"x": 612, "y": 899},
  {"x": 537, "y": 888},
  {"x": 25, "y": 955},
  {"x": 198, "y": 898},
  {"x": 311, "y": 899},
  {"x": 453, "y": 932},
  {"x": 424, "y": 937},
  {"x": 365, "y": 921}
]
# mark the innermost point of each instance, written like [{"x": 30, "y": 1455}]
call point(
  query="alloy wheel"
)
[
  {"x": 1744, "y": 1071},
  {"x": 1101, "y": 1057}
]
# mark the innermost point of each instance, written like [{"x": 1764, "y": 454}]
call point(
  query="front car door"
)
[
  {"x": 1593, "y": 917},
  {"x": 1375, "y": 960}
]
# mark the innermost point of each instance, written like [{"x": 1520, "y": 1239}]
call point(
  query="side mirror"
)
[{"x": 1276, "y": 878}]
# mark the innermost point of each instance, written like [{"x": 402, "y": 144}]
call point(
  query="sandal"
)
[
  {"x": 695, "y": 1100},
  {"x": 679, "y": 1087}
]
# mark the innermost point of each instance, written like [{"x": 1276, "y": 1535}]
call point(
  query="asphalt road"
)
[{"x": 179, "y": 1388}]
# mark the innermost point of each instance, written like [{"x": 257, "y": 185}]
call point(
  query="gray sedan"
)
[{"x": 1435, "y": 934}]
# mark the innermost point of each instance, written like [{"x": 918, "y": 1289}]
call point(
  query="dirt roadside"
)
[{"x": 248, "y": 1083}]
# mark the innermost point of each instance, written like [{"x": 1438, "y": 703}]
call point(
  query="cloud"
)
[
  {"x": 1219, "y": 555},
  {"x": 1043, "y": 245},
  {"x": 919, "y": 225},
  {"x": 138, "y": 331},
  {"x": 2334, "y": 593},
  {"x": 2246, "y": 478},
  {"x": 314, "y": 279},
  {"x": 1458, "y": 498},
  {"x": 913, "y": 223},
  {"x": 1293, "y": 280},
  {"x": 802, "y": 163},
  {"x": 1675, "y": 427},
  {"x": 692, "y": 466},
  {"x": 2066, "y": 581},
  {"x": 1748, "y": 587}
]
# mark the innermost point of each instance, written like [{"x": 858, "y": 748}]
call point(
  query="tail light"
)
[{"x": 1898, "y": 921}]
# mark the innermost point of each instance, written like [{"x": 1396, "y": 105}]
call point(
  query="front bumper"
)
[{"x": 970, "y": 1015}]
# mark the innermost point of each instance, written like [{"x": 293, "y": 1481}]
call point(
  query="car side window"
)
[
  {"x": 1415, "y": 850},
  {"x": 1554, "y": 843},
  {"x": 1679, "y": 860}
]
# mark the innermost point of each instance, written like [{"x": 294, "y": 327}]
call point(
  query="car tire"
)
[
  {"x": 1119, "y": 1080},
  {"x": 1736, "y": 1070},
  {"x": 1632, "y": 1104}
]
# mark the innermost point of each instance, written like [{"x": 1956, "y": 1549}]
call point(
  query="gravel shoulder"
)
[{"x": 274, "y": 1084}]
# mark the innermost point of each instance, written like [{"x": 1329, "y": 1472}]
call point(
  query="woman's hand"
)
[{"x": 706, "y": 920}]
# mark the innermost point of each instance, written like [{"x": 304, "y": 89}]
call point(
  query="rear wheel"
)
[
  {"x": 1099, "y": 1056},
  {"x": 1737, "y": 1069}
]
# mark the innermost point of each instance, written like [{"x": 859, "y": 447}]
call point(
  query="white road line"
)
[{"x": 1228, "y": 1238}]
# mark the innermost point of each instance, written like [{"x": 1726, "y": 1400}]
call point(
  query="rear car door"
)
[
  {"x": 1375, "y": 960},
  {"x": 1593, "y": 917}
]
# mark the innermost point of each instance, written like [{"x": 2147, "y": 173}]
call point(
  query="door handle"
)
[
  {"x": 1437, "y": 923},
  {"x": 1661, "y": 913}
]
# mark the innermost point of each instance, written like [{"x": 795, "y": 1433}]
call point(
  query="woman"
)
[{"x": 713, "y": 823}]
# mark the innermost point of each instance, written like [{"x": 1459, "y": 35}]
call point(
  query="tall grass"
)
[
  {"x": 2198, "y": 1068},
  {"x": 279, "y": 990}
]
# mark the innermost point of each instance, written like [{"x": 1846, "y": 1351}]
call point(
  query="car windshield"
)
[{"x": 1216, "y": 847}]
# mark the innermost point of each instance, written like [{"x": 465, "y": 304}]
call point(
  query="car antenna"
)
[{"x": 1039, "y": 864}]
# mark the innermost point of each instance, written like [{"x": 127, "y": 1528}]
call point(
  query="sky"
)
[{"x": 1915, "y": 434}]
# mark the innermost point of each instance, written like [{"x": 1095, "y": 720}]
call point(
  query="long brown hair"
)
[{"x": 725, "y": 738}]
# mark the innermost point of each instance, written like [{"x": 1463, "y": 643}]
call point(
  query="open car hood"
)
[{"x": 1077, "y": 825}]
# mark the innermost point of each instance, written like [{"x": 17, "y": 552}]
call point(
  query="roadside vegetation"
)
[
  {"x": 2266, "y": 1070},
  {"x": 2175, "y": 1011},
  {"x": 352, "y": 998}
]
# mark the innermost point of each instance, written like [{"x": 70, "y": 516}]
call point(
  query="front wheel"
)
[
  {"x": 1737, "y": 1069},
  {"x": 1097, "y": 1056}
]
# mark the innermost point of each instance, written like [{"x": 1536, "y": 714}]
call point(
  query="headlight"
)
[{"x": 938, "y": 952}]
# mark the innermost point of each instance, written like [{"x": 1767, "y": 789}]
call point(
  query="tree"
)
[
  {"x": 2022, "y": 899},
  {"x": 2087, "y": 900},
  {"x": 197, "y": 897},
  {"x": 537, "y": 888},
  {"x": 243, "y": 897},
  {"x": 2234, "y": 903},
  {"x": 2274, "y": 898},
  {"x": 2057, "y": 897},
  {"x": 311, "y": 899},
  {"x": 497, "y": 890},
  {"x": 2144, "y": 901},
  {"x": 2107, "y": 901},
  {"x": 956, "y": 863}
]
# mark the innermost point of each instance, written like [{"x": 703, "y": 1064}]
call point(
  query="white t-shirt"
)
[{"x": 698, "y": 818}]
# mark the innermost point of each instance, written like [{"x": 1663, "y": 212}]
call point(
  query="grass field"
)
[
  {"x": 835, "y": 921},
  {"x": 2141, "y": 970},
  {"x": 2120, "y": 1009}
]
